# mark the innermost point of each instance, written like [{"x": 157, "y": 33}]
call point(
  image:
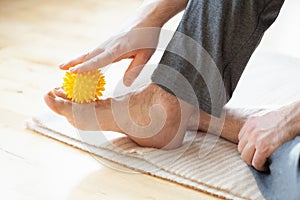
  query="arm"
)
[
  {"x": 136, "y": 40},
  {"x": 258, "y": 132}
]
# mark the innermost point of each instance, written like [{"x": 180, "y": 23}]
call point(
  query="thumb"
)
[{"x": 134, "y": 69}]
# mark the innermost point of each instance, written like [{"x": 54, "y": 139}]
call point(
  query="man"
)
[{"x": 225, "y": 32}]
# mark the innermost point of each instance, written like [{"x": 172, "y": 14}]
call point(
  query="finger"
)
[
  {"x": 243, "y": 138},
  {"x": 243, "y": 130},
  {"x": 258, "y": 161},
  {"x": 129, "y": 55},
  {"x": 80, "y": 59},
  {"x": 134, "y": 69},
  {"x": 103, "y": 59},
  {"x": 248, "y": 153},
  {"x": 264, "y": 148},
  {"x": 242, "y": 143}
]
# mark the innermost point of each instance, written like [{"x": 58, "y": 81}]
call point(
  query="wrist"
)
[{"x": 155, "y": 13}]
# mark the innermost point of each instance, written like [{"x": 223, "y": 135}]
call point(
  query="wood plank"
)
[{"x": 35, "y": 37}]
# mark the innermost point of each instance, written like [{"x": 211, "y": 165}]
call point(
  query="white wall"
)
[{"x": 284, "y": 35}]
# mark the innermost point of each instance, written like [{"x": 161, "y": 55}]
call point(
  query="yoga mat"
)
[{"x": 221, "y": 172}]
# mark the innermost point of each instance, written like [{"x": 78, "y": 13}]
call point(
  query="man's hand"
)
[
  {"x": 262, "y": 135},
  {"x": 132, "y": 44},
  {"x": 137, "y": 40},
  {"x": 137, "y": 44}
]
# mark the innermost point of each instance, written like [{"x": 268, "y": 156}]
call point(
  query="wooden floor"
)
[{"x": 35, "y": 36}]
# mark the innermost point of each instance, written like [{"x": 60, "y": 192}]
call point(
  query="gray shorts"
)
[{"x": 214, "y": 41}]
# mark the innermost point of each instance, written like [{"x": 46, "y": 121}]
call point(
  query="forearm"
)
[{"x": 155, "y": 13}]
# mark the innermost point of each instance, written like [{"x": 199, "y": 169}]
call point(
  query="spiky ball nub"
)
[{"x": 84, "y": 87}]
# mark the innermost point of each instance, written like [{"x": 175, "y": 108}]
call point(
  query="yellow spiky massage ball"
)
[{"x": 84, "y": 87}]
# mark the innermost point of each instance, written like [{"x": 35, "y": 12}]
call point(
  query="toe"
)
[
  {"x": 59, "y": 92},
  {"x": 55, "y": 103}
]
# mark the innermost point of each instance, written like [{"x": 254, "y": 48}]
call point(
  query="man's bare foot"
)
[{"x": 151, "y": 117}]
